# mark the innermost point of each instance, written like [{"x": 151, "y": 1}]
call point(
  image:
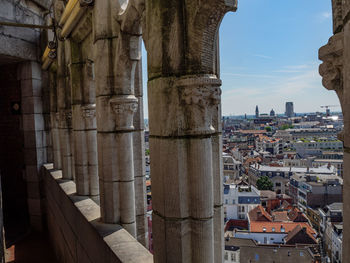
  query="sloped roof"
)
[
  {"x": 300, "y": 235},
  {"x": 259, "y": 214},
  {"x": 280, "y": 216},
  {"x": 296, "y": 215}
]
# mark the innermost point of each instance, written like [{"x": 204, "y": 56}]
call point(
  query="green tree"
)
[
  {"x": 264, "y": 183},
  {"x": 268, "y": 128},
  {"x": 286, "y": 126}
]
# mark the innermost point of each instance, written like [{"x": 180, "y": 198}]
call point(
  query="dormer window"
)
[
  {"x": 273, "y": 229},
  {"x": 264, "y": 229}
]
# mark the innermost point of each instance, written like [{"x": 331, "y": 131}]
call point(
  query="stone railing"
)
[{"x": 75, "y": 229}]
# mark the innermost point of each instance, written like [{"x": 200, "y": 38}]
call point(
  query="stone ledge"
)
[{"x": 81, "y": 217}]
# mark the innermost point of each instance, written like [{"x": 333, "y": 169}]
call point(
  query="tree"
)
[
  {"x": 264, "y": 183},
  {"x": 286, "y": 126},
  {"x": 268, "y": 128}
]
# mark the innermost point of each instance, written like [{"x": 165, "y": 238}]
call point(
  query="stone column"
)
[
  {"x": 185, "y": 129},
  {"x": 84, "y": 123},
  {"x": 335, "y": 72},
  {"x": 64, "y": 101},
  {"x": 139, "y": 162},
  {"x": 64, "y": 112},
  {"x": 54, "y": 117},
  {"x": 116, "y": 49}
]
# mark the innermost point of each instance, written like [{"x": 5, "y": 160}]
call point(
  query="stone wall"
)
[
  {"x": 21, "y": 43},
  {"x": 76, "y": 231}
]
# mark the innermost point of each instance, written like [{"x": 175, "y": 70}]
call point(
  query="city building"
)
[
  {"x": 256, "y": 111},
  {"x": 289, "y": 109},
  {"x": 316, "y": 190},
  {"x": 280, "y": 175},
  {"x": 337, "y": 243},
  {"x": 272, "y": 113},
  {"x": 267, "y": 144},
  {"x": 232, "y": 168},
  {"x": 239, "y": 200}
]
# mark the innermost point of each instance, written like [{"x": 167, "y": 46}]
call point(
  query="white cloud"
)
[{"x": 262, "y": 56}]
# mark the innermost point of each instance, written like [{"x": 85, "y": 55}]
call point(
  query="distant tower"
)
[
  {"x": 272, "y": 113},
  {"x": 245, "y": 116},
  {"x": 289, "y": 109},
  {"x": 256, "y": 111}
]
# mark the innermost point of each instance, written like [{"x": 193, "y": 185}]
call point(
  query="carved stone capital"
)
[
  {"x": 124, "y": 107},
  {"x": 200, "y": 95},
  {"x": 332, "y": 66},
  {"x": 88, "y": 111},
  {"x": 200, "y": 91}
]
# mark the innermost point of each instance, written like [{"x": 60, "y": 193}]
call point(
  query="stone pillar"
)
[
  {"x": 139, "y": 162},
  {"x": 54, "y": 117},
  {"x": 64, "y": 101},
  {"x": 185, "y": 129},
  {"x": 84, "y": 123},
  {"x": 64, "y": 112},
  {"x": 117, "y": 50},
  {"x": 335, "y": 72}
]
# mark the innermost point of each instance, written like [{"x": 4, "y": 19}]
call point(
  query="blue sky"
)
[{"x": 269, "y": 55}]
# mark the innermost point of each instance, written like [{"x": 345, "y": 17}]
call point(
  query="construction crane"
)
[{"x": 328, "y": 111}]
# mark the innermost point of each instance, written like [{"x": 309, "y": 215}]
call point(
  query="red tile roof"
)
[
  {"x": 258, "y": 226},
  {"x": 259, "y": 214}
]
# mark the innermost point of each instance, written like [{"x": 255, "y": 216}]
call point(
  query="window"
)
[
  {"x": 226, "y": 201},
  {"x": 264, "y": 230},
  {"x": 233, "y": 201},
  {"x": 283, "y": 229},
  {"x": 226, "y": 256},
  {"x": 273, "y": 229},
  {"x": 301, "y": 254},
  {"x": 256, "y": 257},
  {"x": 241, "y": 216},
  {"x": 278, "y": 184}
]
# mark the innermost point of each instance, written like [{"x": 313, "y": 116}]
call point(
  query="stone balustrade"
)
[{"x": 76, "y": 229}]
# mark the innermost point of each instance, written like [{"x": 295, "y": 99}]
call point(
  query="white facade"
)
[
  {"x": 337, "y": 240},
  {"x": 262, "y": 237},
  {"x": 239, "y": 200},
  {"x": 319, "y": 144}
]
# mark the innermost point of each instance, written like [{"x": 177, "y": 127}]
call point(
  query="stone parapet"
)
[{"x": 76, "y": 231}]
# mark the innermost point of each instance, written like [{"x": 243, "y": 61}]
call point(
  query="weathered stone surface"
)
[{"x": 77, "y": 233}]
